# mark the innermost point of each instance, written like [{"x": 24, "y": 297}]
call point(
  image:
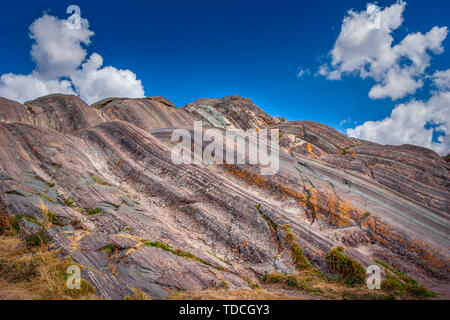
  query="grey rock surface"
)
[{"x": 134, "y": 219}]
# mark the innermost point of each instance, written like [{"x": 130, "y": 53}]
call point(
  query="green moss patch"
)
[
  {"x": 178, "y": 252},
  {"x": 93, "y": 212},
  {"x": 298, "y": 257}
]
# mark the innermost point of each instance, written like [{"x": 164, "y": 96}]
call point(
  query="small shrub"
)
[
  {"x": 37, "y": 239},
  {"x": 351, "y": 271}
]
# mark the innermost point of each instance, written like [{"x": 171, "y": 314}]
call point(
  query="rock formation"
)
[{"x": 134, "y": 219}]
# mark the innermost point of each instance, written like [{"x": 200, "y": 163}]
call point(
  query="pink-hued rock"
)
[
  {"x": 64, "y": 113},
  {"x": 147, "y": 113},
  {"x": 12, "y": 111},
  {"x": 106, "y": 172},
  {"x": 231, "y": 112}
]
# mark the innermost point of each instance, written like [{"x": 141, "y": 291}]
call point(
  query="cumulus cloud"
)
[
  {"x": 412, "y": 123},
  {"x": 365, "y": 48},
  {"x": 57, "y": 49},
  {"x": 95, "y": 83},
  {"x": 62, "y": 66},
  {"x": 27, "y": 87},
  {"x": 441, "y": 79}
]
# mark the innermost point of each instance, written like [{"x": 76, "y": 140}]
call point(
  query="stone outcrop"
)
[
  {"x": 231, "y": 112},
  {"x": 134, "y": 219},
  {"x": 12, "y": 111},
  {"x": 414, "y": 172},
  {"x": 64, "y": 113},
  {"x": 148, "y": 113}
]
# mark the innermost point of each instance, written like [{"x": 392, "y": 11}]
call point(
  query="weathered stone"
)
[{"x": 116, "y": 193}]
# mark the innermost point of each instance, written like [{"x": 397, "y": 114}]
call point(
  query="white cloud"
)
[
  {"x": 364, "y": 47},
  {"x": 95, "y": 83},
  {"x": 303, "y": 72},
  {"x": 27, "y": 87},
  {"x": 61, "y": 66},
  {"x": 57, "y": 50},
  {"x": 442, "y": 79},
  {"x": 407, "y": 124},
  {"x": 397, "y": 84}
]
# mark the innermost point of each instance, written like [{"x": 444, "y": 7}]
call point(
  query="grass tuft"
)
[
  {"x": 401, "y": 284},
  {"x": 350, "y": 271}
]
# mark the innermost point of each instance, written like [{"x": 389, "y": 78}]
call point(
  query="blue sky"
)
[{"x": 184, "y": 50}]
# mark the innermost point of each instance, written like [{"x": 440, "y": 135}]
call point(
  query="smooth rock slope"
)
[{"x": 134, "y": 219}]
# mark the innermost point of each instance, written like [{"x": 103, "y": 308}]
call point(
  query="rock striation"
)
[{"x": 134, "y": 219}]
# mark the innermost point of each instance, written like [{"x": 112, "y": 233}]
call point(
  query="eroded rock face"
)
[
  {"x": 312, "y": 138},
  {"x": 64, "y": 113},
  {"x": 148, "y": 113},
  {"x": 413, "y": 172},
  {"x": 231, "y": 112},
  {"x": 12, "y": 111},
  {"x": 137, "y": 220}
]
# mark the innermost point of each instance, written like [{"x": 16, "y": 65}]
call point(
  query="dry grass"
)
[
  {"x": 35, "y": 273},
  {"x": 224, "y": 294},
  {"x": 50, "y": 218},
  {"x": 320, "y": 288},
  {"x": 138, "y": 294}
]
